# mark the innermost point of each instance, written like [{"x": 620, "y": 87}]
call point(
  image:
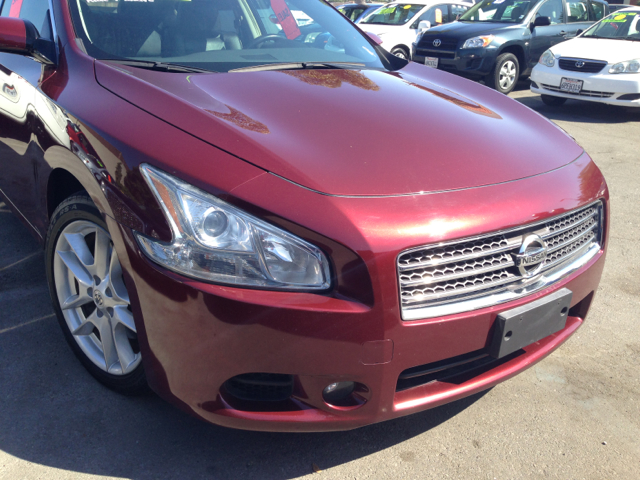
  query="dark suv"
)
[{"x": 501, "y": 40}]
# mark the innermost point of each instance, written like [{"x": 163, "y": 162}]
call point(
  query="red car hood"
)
[{"x": 354, "y": 132}]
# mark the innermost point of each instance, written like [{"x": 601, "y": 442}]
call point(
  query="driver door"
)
[{"x": 543, "y": 38}]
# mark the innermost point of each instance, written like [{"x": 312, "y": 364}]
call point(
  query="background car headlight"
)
[
  {"x": 632, "y": 66},
  {"x": 478, "y": 42},
  {"x": 217, "y": 242},
  {"x": 547, "y": 59}
]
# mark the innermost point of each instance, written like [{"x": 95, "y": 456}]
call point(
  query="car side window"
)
[
  {"x": 577, "y": 11},
  {"x": 553, "y": 10},
  {"x": 437, "y": 15},
  {"x": 36, "y": 11},
  {"x": 457, "y": 10},
  {"x": 596, "y": 12}
]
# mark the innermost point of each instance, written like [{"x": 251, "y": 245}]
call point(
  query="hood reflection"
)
[
  {"x": 240, "y": 119},
  {"x": 334, "y": 78}
]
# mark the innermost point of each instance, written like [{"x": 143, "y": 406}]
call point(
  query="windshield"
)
[
  {"x": 505, "y": 11},
  {"x": 396, "y": 14},
  {"x": 221, "y": 35},
  {"x": 618, "y": 25}
]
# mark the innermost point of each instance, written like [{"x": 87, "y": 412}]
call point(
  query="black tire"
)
[
  {"x": 401, "y": 53},
  {"x": 498, "y": 79},
  {"x": 79, "y": 207},
  {"x": 552, "y": 101}
]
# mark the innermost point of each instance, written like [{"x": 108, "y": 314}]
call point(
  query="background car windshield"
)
[
  {"x": 397, "y": 14},
  {"x": 619, "y": 25},
  {"x": 506, "y": 11},
  {"x": 220, "y": 35}
]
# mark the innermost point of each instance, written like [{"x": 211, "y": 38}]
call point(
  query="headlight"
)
[
  {"x": 478, "y": 42},
  {"x": 217, "y": 242},
  {"x": 547, "y": 59},
  {"x": 632, "y": 66}
]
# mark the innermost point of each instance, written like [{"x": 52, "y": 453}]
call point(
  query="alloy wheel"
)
[
  {"x": 93, "y": 297},
  {"x": 507, "y": 75}
]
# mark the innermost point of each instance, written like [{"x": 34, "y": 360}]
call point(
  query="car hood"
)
[
  {"x": 464, "y": 30},
  {"x": 611, "y": 51},
  {"x": 354, "y": 132}
]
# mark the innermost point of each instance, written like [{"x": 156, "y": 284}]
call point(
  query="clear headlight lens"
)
[
  {"x": 214, "y": 241},
  {"x": 632, "y": 66},
  {"x": 547, "y": 59},
  {"x": 478, "y": 42}
]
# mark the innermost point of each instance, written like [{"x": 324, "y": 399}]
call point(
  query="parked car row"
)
[{"x": 501, "y": 40}]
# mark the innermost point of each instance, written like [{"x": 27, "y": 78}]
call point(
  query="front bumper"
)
[
  {"x": 601, "y": 87},
  {"x": 196, "y": 336},
  {"x": 472, "y": 63}
]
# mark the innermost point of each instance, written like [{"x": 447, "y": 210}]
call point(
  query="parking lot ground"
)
[{"x": 575, "y": 415}]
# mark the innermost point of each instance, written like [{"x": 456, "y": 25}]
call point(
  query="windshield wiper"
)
[
  {"x": 159, "y": 66},
  {"x": 298, "y": 66}
]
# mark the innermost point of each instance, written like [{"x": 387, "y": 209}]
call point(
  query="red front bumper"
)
[{"x": 196, "y": 336}]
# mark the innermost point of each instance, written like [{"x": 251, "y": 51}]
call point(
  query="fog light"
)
[{"x": 335, "y": 393}]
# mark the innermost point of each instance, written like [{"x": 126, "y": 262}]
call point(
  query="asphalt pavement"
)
[{"x": 575, "y": 415}]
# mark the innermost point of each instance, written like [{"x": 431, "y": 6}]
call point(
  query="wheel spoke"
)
[
  {"x": 75, "y": 301},
  {"x": 77, "y": 268},
  {"x": 118, "y": 288},
  {"x": 126, "y": 357},
  {"x": 102, "y": 255},
  {"x": 79, "y": 246},
  {"x": 109, "y": 351},
  {"x": 121, "y": 314},
  {"x": 87, "y": 327}
]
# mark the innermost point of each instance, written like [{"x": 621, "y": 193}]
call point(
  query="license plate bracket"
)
[
  {"x": 522, "y": 326},
  {"x": 431, "y": 62},
  {"x": 570, "y": 85}
]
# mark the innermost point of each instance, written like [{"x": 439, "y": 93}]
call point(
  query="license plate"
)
[
  {"x": 522, "y": 326},
  {"x": 570, "y": 85},
  {"x": 431, "y": 62}
]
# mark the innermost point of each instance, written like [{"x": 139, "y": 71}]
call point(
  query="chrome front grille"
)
[{"x": 474, "y": 273}]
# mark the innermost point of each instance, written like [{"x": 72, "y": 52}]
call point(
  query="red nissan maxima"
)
[{"x": 277, "y": 225}]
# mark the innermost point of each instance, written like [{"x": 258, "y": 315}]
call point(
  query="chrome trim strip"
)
[
  {"x": 569, "y": 227},
  {"x": 453, "y": 276},
  {"x": 511, "y": 293},
  {"x": 567, "y": 257},
  {"x": 572, "y": 240},
  {"x": 458, "y": 293},
  {"x": 433, "y": 263}
]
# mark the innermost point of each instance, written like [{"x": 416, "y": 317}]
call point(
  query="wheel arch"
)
[
  {"x": 516, "y": 50},
  {"x": 61, "y": 184},
  {"x": 403, "y": 47}
]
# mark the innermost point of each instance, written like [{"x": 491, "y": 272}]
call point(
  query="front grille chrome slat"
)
[
  {"x": 457, "y": 270},
  {"x": 478, "y": 272},
  {"x": 572, "y": 239}
]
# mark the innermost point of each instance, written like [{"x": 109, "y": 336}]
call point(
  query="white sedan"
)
[
  {"x": 601, "y": 65},
  {"x": 398, "y": 24}
]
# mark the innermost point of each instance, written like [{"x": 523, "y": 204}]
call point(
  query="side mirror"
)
[
  {"x": 374, "y": 37},
  {"x": 21, "y": 37},
  {"x": 579, "y": 32},
  {"x": 542, "y": 22},
  {"x": 423, "y": 25}
]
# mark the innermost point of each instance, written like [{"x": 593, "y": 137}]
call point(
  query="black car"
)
[{"x": 501, "y": 40}]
